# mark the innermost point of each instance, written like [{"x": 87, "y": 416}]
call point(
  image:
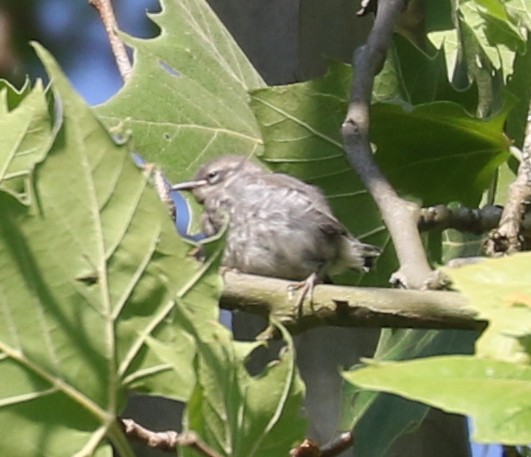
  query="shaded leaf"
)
[
  {"x": 519, "y": 86},
  {"x": 438, "y": 140},
  {"x": 414, "y": 146},
  {"x": 242, "y": 415},
  {"x": 415, "y": 76},
  {"x": 90, "y": 270}
]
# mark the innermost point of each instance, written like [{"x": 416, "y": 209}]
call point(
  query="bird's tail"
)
[{"x": 368, "y": 252}]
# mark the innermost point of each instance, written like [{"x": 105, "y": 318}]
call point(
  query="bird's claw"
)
[{"x": 306, "y": 288}]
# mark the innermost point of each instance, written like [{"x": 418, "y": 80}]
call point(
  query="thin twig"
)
[
  {"x": 508, "y": 237},
  {"x": 165, "y": 441},
  {"x": 106, "y": 13},
  {"x": 337, "y": 446},
  {"x": 309, "y": 448},
  {"x": 399, "y": 215}
]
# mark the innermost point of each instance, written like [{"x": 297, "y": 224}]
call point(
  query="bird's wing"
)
[{"x": 299, "y": 196}]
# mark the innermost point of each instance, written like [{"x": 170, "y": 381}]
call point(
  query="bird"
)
[{"x": 277, "y": 225}]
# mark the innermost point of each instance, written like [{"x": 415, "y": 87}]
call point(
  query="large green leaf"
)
[
  {"x": 496, "y": 394},
  {"x": 300, "y": 125},
  {"x": 414, "y": 76},
  {"x": 90, "y": 269},
  {"x": 500, "y": 291},
  {"x": 240, "y": 415},
  {"x": 438, "y": 139},
  {"x": 387, "y": 415},
  {"x": 411, "y": 143},
  {"x": 187, "y": 99},
  {"x": 168, "y": 368}
]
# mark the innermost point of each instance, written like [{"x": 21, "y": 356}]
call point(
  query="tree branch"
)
[
  {"x": 309, "y": 448},
  {"x": 399, "y": 215},
  {"x": 165, "y": 441},
  {"x": 509, "y": 236},
  {"x": 337, "y": 446},
  {"x": 348, "y": 306},
  {"x": 106, "y": 13},
  {"x": 472, "y": 220}
]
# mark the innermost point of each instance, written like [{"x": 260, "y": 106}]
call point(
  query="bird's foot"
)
[
  {"x": 224, "y": 269},
  {"x": 306, "y": 289}
]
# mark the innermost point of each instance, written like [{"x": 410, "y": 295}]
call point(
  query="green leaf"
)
[
  {"x": 387, "y": 415},
  {"x": 438, "y": 139},
  {"x": 434, "y": 139},
  {"x": 520, "y": 11},
  {"x": 299, "y": 140},
  {"x": 240, "y": 415},
  {"x": 198, "y": 78},
  {"x": 519, "y": 86},
  {"x": 481, "y": 44},
  {"x": 500, "y": 291},
  {"x": 500, "y": 27},
  {"x": 414, "y": 76},
  {"x": 28, "y": 133},
  {"x": 90, "y": 269},
  {"x": 168, "y": 368},
  {"x": 496, "y": 394}
]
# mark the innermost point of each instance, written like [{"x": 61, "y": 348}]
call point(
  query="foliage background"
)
[{"x": 268, "y": 110}]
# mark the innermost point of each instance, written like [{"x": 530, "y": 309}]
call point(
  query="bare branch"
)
[
  {"x": 348, "y": 306},
  {"x": 337, "y": 446},
  {"x": 106, "y": 13},
  {"x": 309, "y": 448},
  {"x": 165, "y": 441},
  {"x": 472, "y": 220},
  {"x": 399, "y": 215}
]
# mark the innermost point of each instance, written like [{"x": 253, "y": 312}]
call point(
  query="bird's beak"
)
[{"x": 189, "y": 185}]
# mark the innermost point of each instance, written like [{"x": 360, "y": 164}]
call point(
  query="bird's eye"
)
[{"x": 212, "y": 176}]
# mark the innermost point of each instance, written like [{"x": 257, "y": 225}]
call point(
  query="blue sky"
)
[{"x": 93, "y": 73}]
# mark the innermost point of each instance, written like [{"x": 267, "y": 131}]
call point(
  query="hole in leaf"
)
[{"x": 169, "y": 69}]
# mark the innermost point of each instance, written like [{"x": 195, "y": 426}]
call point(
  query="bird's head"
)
[{"x": 215, "y": 175}]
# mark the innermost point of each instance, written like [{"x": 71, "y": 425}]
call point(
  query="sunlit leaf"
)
[
  {"x": 387, "y": 415},
  {"x": 197, "y": 103},
  {"x": 28, "y": 132},
  {"x": 500, "y": 291},
  {"x": 496, "y": 394}
]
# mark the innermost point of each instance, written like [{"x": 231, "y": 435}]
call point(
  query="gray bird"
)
[{"x": 277, "y": 225}]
